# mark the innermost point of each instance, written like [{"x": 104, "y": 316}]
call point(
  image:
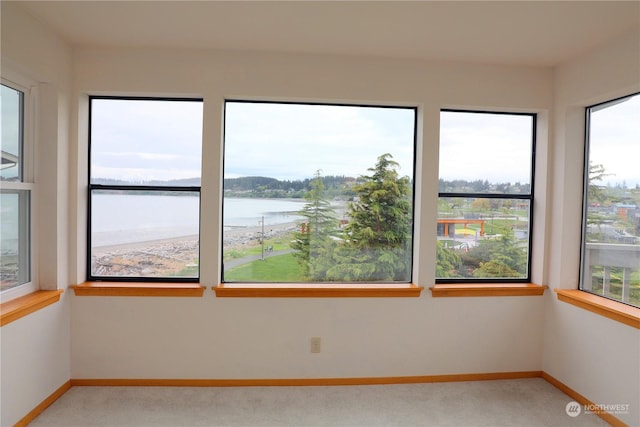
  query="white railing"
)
[{"x": 607, "y": 256}]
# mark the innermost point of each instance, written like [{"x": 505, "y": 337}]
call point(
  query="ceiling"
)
[{"x": 537, "y": 33}]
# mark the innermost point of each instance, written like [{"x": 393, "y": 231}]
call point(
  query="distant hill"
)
[
  {"x": 186, "y": 182},
  {"x": 248, "y": 183},
  {"x": 335, "y": 186},
  {"x": 265, "y": 187}
]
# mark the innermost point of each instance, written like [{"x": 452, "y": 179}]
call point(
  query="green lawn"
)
[
  {"x": 500, "y": 226},
  {"x": 278, "y": 244},
  {"x": 278, "y": 268}
]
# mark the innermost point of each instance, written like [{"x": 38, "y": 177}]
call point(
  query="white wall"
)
[
  {"x": 595, "y": 356},
  {"x": 269, "y": 338},
  {"x": 35, "y": 353}
]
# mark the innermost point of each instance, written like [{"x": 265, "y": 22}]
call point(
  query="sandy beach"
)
[
  {"x": 237, "y": 238},
  {"x": 178, "y": 255}
]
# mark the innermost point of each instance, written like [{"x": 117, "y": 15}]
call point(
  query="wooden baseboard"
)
[
  {"x": 44, "y": 405},
  {"x": 298, "y": 382},
  {"x": 609, "y": 418}
]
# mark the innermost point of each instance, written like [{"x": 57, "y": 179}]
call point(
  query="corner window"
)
[
  {"x": 16, "y": 187},
  {"x": 610, "y": 264},
  {"x": 144, "y": 189},
  {"x": 317, "y": 193},
  {"x": 485, "y": 197}
]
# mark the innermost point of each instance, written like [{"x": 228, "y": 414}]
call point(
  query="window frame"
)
[
  {"x": 585, "y": 200},
  {"x": 322, "y": 289},
  {"x": 147, "y": 188},
  {"x": 27, "y": 178},
  {"x": 529, "y": 197}
]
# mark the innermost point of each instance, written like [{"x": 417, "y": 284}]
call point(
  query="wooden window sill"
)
[
  {"x": 614, "y": 310},
  {"x": 138, "y": 289},
  {"x": 20, "y": 307},
  {"x": 317, "y": 290},
  {"x": 487, "y": 290}
]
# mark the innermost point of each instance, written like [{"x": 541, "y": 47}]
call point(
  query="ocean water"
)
[
  {"x": 130, "y": 218},
  {"x": 9, "y": 222},
  {"x": 250, "y": 212}
]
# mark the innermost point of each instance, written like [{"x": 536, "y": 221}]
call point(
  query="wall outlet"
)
[{"x": 315, "y": 344}]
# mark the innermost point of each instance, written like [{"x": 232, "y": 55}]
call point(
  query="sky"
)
[
  {"x": 145, "y": 140},
  {"x": 293, "y": 141},
  {"x": 483, "y": 146},
  {"x": 614, "y": 141},
  {"x": 160, "y": 140}
]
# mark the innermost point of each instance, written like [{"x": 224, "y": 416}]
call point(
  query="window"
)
[
  {"x": 485, "y": 197},
  {"x": 611, "y": 212},
  {"x": 16, "y": 186},
  {"x": 317, "y": 193},
  {"x": 144, "y": 189}
]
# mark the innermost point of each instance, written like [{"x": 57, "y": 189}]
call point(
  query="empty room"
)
[{"x": 320, "y": 213}]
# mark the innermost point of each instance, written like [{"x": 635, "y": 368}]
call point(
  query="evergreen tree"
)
[
  {"x": 320, "y": 224},
  {"x": 447, "y": 261},
  {"x": 377, "y": 239},
  {"x": 596, "y": 192},
  {"x": 502, "y": 257},
  {"x": 495, "y": 269}
]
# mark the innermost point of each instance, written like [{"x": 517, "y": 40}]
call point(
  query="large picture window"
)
[
  {"x": 16, "y": 187},
  {"x": 144, "y": 190},
  {"x": 485, "y": 196},
  {"x": 317, "y": 193},
  {"x": 611, "y": 216}
]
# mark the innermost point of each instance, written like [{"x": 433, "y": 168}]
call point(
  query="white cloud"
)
[
  {"x": 493, "y": 147},
  {"x": 145, "y": 140},
  {"x": 615, "y": 141},
  {"x": 140, "y": 155},
  {"x": 288, "y": 141},
  {"x": 154, "y": 140},
  {"x": 138, "y": 175}
]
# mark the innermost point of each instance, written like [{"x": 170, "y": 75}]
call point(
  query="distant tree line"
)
[
  {"x": 482, "y": 186},
  {"x": 334, "y": 186},
  {"x": 265, "y": 187},
  {"x": 185, "y": 182},
  {"x": 188, "y": 182}
]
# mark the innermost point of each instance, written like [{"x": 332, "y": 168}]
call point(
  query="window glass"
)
[
  {"x": 146, "y": 141},
  {"x": 485, "y": 195},
  {"x": 145, "y": 234},
  {"x": 15, "y": 196},
  {"x": 317, "y": 193},
  {"x": 611, "y": 220},
  {"x": 145, "y": 189},
  {"x": 12, "y": 133},
  {"x": 14, "y": 238}
]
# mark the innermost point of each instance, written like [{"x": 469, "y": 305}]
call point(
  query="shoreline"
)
[
  {"x": 175, "y": 255},
  {"x": 236, "y": 238},
  {"x": 236, "y": 234},
  {"x": 101, "y": 250}
]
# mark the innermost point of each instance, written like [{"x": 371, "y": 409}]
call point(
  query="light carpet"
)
[{"x": 525, "y": 402}]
